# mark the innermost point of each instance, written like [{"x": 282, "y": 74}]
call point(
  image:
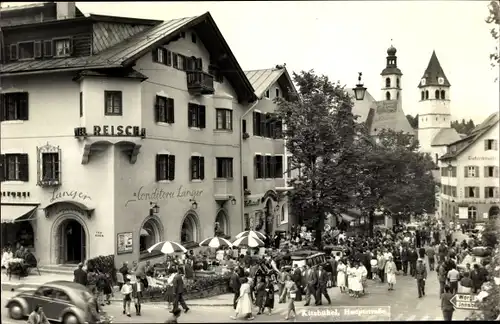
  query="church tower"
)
[
  {"x": 391, "y": 77},
  {"x": 434, "y": 105}
]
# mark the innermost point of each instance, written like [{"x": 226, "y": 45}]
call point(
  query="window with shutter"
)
[
  {"x": 13, "y": 52},
  {"x": 47, "y": 48},
  {"x": 224, "y": 168},
  {"x": 23, "y": 167},
  {"x": 175, "y": 61},
  {"x": 171, "y": 167},
  {"x": 255, "y": 124},
  {"x": 15, "y": 106},
  {"x": 168, "y": 58},
  {"x": 165, "y": 167},
  {"x": 38, "y": 49},
  {"x": 113, "y": 104},
  {"x": 197, "y": 168},
  {"x": 170, "y": 111},
  {"x": 476, "y": 172},
  {"x": 267, "y": 167},
  {"x": 2, "y": 167},
  {"x": 279, "y": 167},
  {"x": 155, "y": 55},
  {"x": 202, "y": 168},
  {"x": 272, "y": 170},
  {"x": 161, "y": 109},
  {"x": 202, "y": 120},
  {"x": 495, "y": 171},
  {"x": 50, "y": 167},
  {"x": 62, "y": 47},
  {"x": 245, "y": 182}
]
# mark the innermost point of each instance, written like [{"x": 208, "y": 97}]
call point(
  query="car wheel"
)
[
  {"x": 70, "y": 319},
  {"x": 16, "y": 311}
]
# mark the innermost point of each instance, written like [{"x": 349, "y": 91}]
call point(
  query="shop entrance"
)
[{"x": 72, "y": 242}]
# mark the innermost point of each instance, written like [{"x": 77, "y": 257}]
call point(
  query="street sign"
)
[{"x": 464, "y": 301}]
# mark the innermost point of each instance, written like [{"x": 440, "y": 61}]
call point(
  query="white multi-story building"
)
[
  {"x": 469, "y": 175},
  {"x": 117, "y": 133}
]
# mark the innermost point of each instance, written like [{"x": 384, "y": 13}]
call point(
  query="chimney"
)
[{"x": 65, "y": 10}]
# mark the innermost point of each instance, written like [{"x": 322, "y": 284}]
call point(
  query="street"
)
[{"x": 403, "y": 302}]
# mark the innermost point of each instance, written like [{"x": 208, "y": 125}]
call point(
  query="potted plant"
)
[
  {"x": 245, "y": 135},
  {"x": 247, "y": 192}
]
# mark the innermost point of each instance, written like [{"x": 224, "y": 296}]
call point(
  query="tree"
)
[
  {"x": 463, "y": 127},
  {"x": 494, "y": 18},
  {"x": 394, "y": 176},
  {"x": 319, "y": 128}
]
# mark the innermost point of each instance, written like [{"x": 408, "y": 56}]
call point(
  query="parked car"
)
[{"x": 62, "y": 301}]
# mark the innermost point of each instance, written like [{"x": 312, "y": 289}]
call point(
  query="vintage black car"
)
[{"x": 62, "y": 301}]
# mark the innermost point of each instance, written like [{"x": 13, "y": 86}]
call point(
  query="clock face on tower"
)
[
  {"x": 441, "y": 80},
  {"x": 422, "y": 82}
]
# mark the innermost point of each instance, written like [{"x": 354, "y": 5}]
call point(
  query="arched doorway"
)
[
  {"x": 493, "y": 212},
  {"x": 221, "y": 227},
  {"x": 72, "y": 242},
  {"x": 190, "y": 229},
  {"x": 150, "y": 234}
]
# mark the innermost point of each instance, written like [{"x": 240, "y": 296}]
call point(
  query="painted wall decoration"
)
[
  {"x": 124, "y": 243},
  {"x": 58, "y": 194},
  {"x": 158, "y": 194}
]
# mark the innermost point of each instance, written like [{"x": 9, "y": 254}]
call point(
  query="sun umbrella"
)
[
  {"x": 249, "y": 241},
  {"x": 215, "y": 242},
  {"x": 256, "y": 234},
  {"x": 168, "y": 247}
]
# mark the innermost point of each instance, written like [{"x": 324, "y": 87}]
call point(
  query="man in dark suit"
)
[
  {"x": 311, "y": 281},
  {"x": 404, "y": 260},
  {"x": 239, "y": 270},
  {"x": 297, "y": 278},
  {"x": 235, "y": 285},
  {"x": 334, "y": 264},
  {"x": 322, "y": 279},
  {"x": 178, "y": 284},
  {"x": 421, "y": 276},
  {"x": 80, "y": 275},
  {"x": 412, "y": 258}
]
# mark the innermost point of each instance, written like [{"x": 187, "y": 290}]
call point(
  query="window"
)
[
  {"x": 436, "y": 94},
  {"x": 267, "y": 94},
  {"x": 224, "y": 168},
  {"x": 397, "y": 83},
  {"x": 471, "y": 192},
  {"x": 471, "y": 172},
  {"x": 165, "y": 167},
  {"x": 162, "y": 55},
  {"x": 277, "y": 93},
  {"x": 224, "y": 119},
  {"x": 113, "y": 103},
  {"x": 62, "y": 47},
  {"x": 164, "y": 110},
  {"x": 269, "y": 167},
  {"x": 387, "y": 82},
  {"x": 196, "y": 115},
  {"x": 14, "y": 167},
  {"x": 259, "y": 167},
  {"x": 26, "y": 50},
  {"x": 443, "y": 94},
  {"x": 246, "y": 218},
  {"x": 47, "y": 48},
  {"x": 197, "y": 168},
  {"x": 193, "y": 37},
  {"x": 490, "y": 145},
  {"x": 387, "y": 95},
  {"x": 245, "y": 183},
  {"x": 14, "y": 106},
  {"x": 422, "y": 95},
  {"x": 454, "y": 172},
  {"x": 13, "y": 52},
  {"x": 426, "y": 94},
  {"x": 179, "y": 61},
  {"x": 38, "y": 49},
  {"x": 472, "y": 212},
  {"x": 491, "y": 172},
  {"x": 397, "y": 95},
  {"x": 50, "y": 166},
  {"x": 491, "y": 192},
  {"x": 437, "y": 157},
  {"x": 244, "y": 126},
  {"x": 278, "y": 166},
  {"x": 81, "y": 104},
  {"x": 257, "y": 124}
]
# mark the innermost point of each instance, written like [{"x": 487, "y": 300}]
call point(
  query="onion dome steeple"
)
[{"x": 392, "y": 63}]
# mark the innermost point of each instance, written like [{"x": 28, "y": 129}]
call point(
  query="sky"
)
[{"x": 342, "y": 38}]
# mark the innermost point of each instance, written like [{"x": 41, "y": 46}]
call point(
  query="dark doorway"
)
[
  {"x": 494, "y": 212},
  {"x": 73, "y": 243}
]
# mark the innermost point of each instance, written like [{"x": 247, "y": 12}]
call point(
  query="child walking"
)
[
  {"x": 137, "y": 289},
  {"x": 127, "y": 296}
]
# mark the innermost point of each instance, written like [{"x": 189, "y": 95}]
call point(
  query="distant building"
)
[{"x": 470, "y": 175}]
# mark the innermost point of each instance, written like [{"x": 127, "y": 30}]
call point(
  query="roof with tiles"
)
[
  {"x": 433, "y": 73},
  {"x": 445, "y": 137},
  {"x": 463, "y": 144},
  {"x": 262, "y": 80}
]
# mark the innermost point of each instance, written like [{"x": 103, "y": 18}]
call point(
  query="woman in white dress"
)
[
  {"x": 341, "y": 276},
  {"x": 390, "y": 271},
  {"x": 244, "y": 306},
  {"x": 350, "y": 276},
  {"x": 7, "y": 256},
  {"x": 357, "y": 277}
]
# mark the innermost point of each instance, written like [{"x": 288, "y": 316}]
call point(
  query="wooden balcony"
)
[{"x": 200, "y": 83}]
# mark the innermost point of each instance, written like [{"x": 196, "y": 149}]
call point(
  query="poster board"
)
[
  {"x": 124, "y": 243},
  {"x": 462, "y": 213}
]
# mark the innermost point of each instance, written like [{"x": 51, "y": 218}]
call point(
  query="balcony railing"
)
[{"x": 200, "y": 83}]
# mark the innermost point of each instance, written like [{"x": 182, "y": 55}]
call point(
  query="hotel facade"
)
[
  {"x": 117, "y": 133},
  {"x": 470, "y": 175}
]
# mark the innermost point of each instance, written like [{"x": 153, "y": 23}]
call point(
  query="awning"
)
[
  {"x": 347, "y": 218},
  {"x": 17, "y": 213}
]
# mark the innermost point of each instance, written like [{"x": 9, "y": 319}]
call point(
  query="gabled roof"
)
[
  {"x": 262, "y": 80},
  {"x": 464, "y": 143},
  {"x": 445, "y": 137},
  {"x": 127, "y": 52},
  {"x": 362, "y": 108},
  {"x": 388, "y": 114},
  {"x": 433, "y": 72}
]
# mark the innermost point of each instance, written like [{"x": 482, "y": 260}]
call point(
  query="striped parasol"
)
[
  {"x": 249, "y": 241},
  {"x": 256, "y": 234},
  {"x": 216, "y": 242},
  {"x": 168, "y": 247}
]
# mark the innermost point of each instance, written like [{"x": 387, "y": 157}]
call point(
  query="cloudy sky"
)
[{"x": 341, "y": 38}]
